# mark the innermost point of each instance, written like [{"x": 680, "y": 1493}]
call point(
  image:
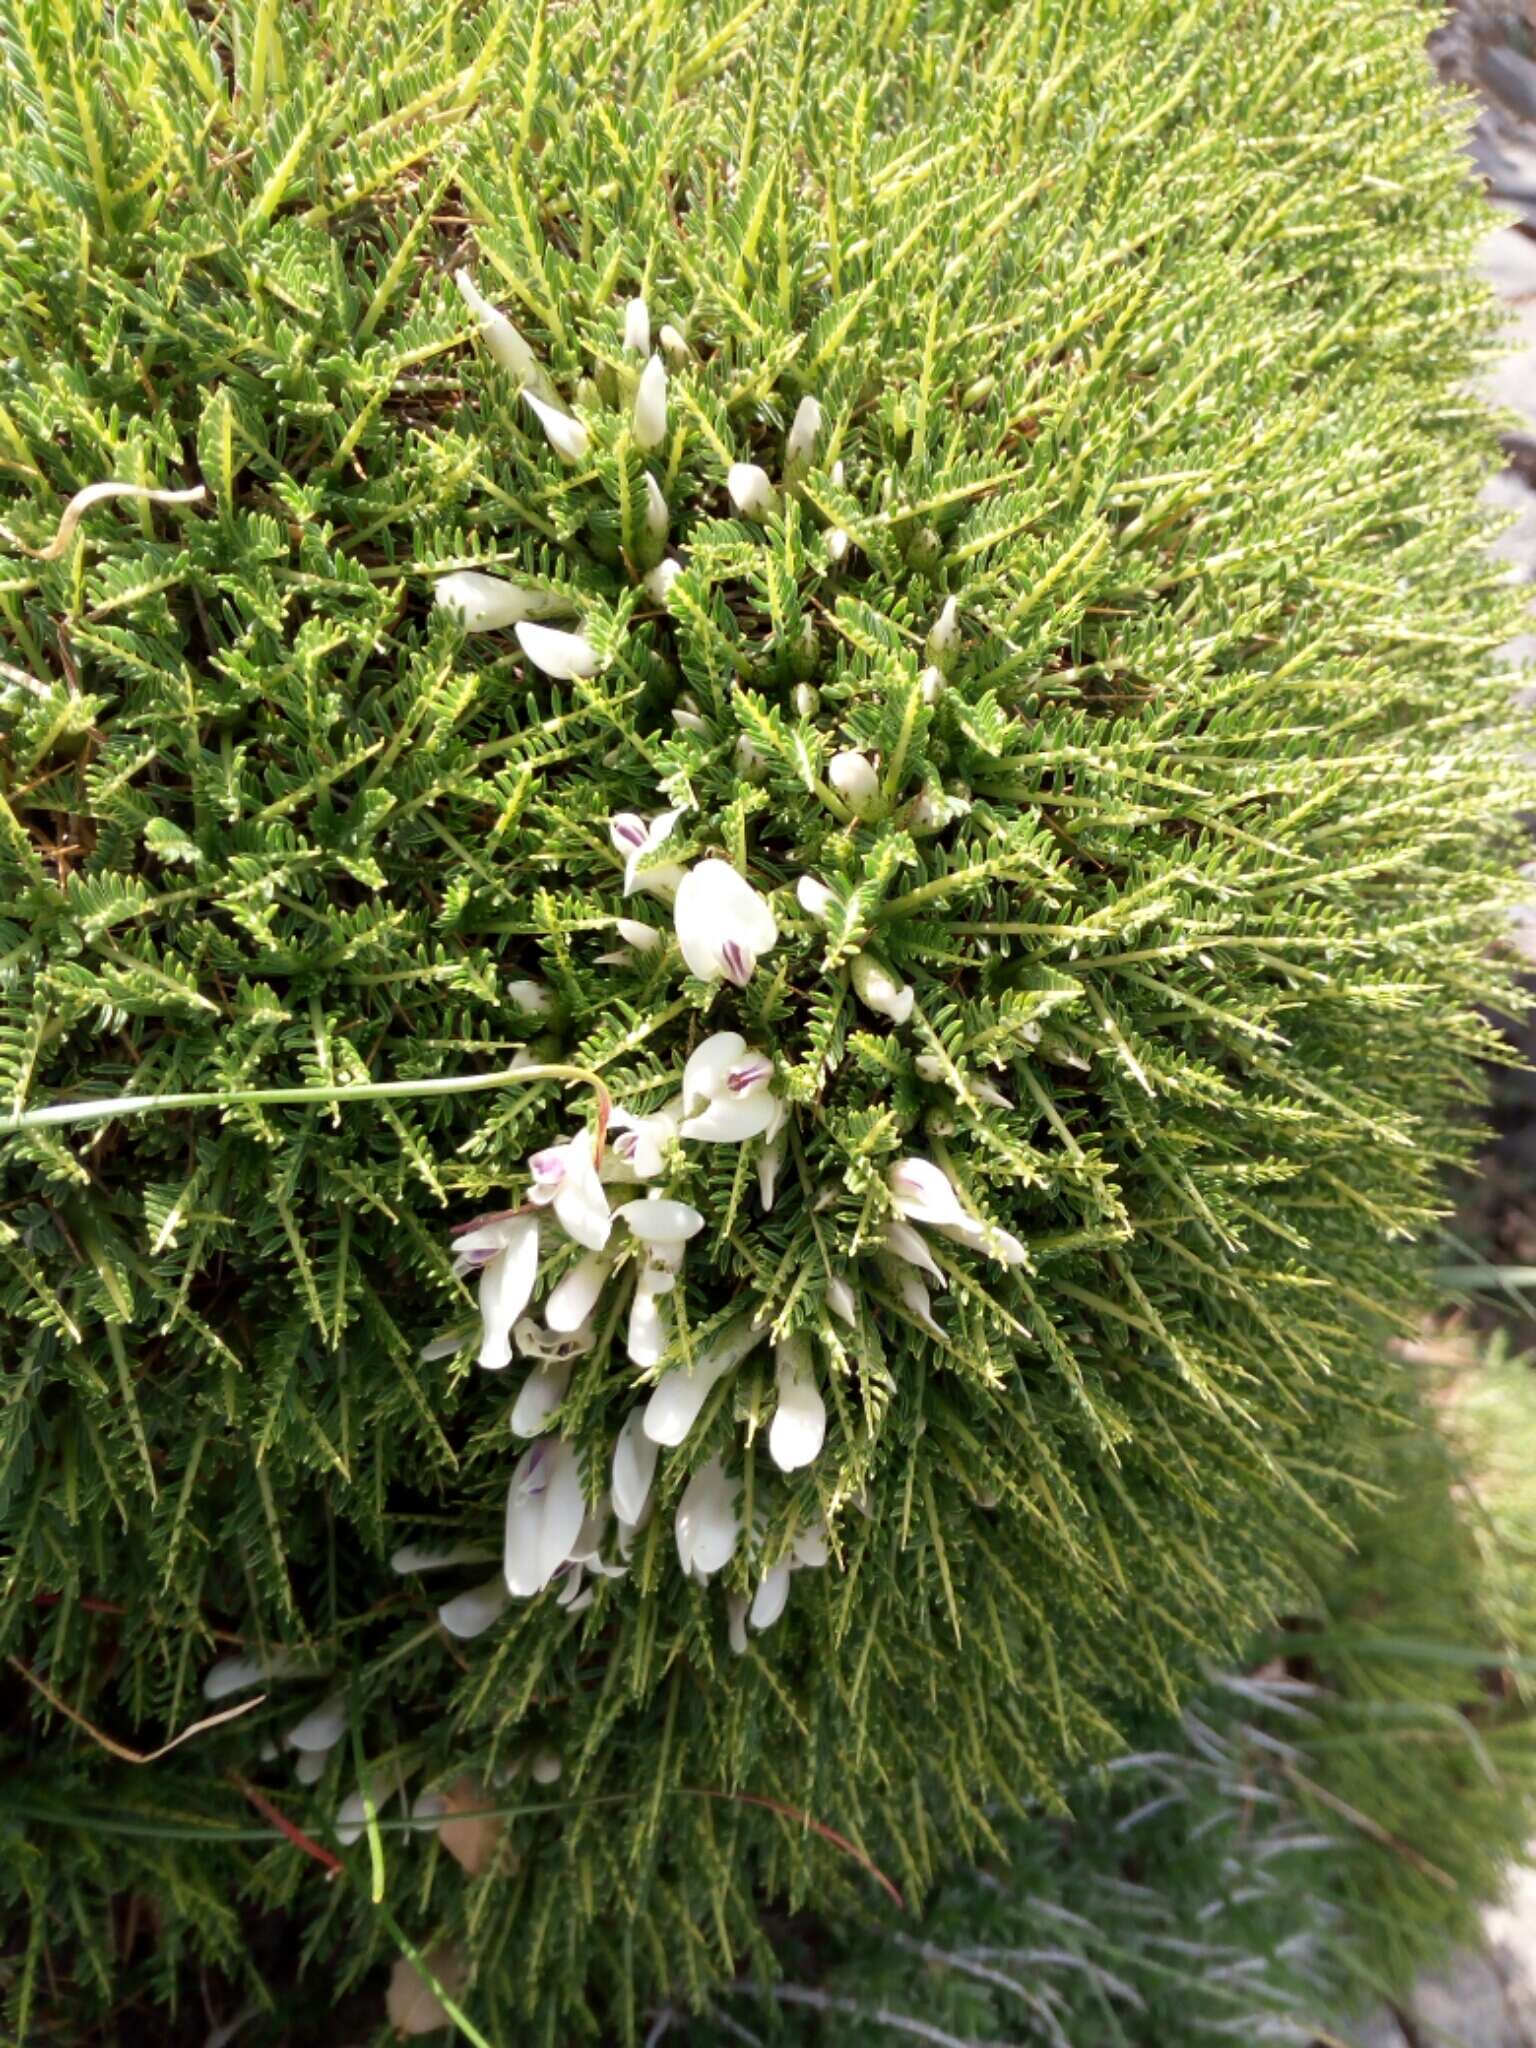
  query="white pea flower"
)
[
  {"x": 751, "y": 492},
  {"x": 678, "y": 1396},
  {"x": 841, "y": 1300},
  {"x": 506, "y": 345},
  {"x": 809, "y": 1547},
  {"x": 637, "y": 838},
  {"x": 944, "y": 635},
  {"x": 637, "y": 1147},
  {"x": 567, "y": 436},
  {"x": 726, "y": 1093},
  {"x": 803, "y": 430},
  {"x": 708, "y": 1526},
  {"x": 470, "y": 1614},
  {"x": 879, "y": 990},
  {"x": 723, "y": 925},
  {"x": 643, "y": 937},
  {"x": 565, "y": 656},
  {"x": 650, "y": 418},
  {"x": 565, "y": 1178},
  {"x": 487, "y": 604},
  {"x": 634, "y": 1470},
  {"x": 531, "y": 997},
  {"x": 648, "y": 1332},
  {"x": 540, "y": 1395},
  {"x": 838, "y": 543},
  {"x": 853, "y": 776},
  {"x": 657, "y": 512},
  {"x": 674, "y": 344},
  {"x": 545, "y": 1511},
  {"x": 924, "y": 1194},
  {"x": 815, "y": 898},
  {"x": 903, "y": 1242},
  {"x": 799, "y": 1424},
  {"x": 637, "y": 327},
  {"x": 658, "y": 581},
  {"x": 505, "y": 1252}
]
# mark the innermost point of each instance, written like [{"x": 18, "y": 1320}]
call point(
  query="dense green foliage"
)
[
  {"x": 1112, "y": 648},
  {"x": 1315, "y": 1833}
]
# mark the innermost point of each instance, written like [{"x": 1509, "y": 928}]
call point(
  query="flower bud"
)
[
  {"x": 837, "y": 543},
  {"x": 656, "y": 510},
  {"x": 506, "y": 345},
  {"x": 879, "y": 990},
  {"x": 637, "y": 327},
  {"x": 806, "y": 699},
  {"x": 944, "y": 635},
  {"x": 853, "y": 776},
  {"x": 814, "y": 897},
  {"x": 931, "y": 685},
  {"x": 674, "y": 344},
  {"x": 660, "y": 580},
  {"x": 650, "y": 421},
  {"x": 751, "y": 493},
  {"x": 803, "y": 430},
  {"x": 485, "y": 604},
  {"x": 561, "y": 655},
  {"x": 567, "y": 436}
]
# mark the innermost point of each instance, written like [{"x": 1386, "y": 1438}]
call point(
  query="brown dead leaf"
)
[
  {"x": 413, "y": 2006},
  {"x": 468, "y": 1834}
]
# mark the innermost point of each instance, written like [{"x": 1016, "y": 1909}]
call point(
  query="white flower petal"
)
[
  {"x": 506, "y": 1288},
  {"x": 567, "y": 436},
  {"x": 679, "y": 1395},
  {"x": 634, "y": 1469},
  {"x": 814, "y": 898},
  {"x": 540, "y": 1395},
  {"x": 923, "y": 1194},
  {"x": 803, "y": 429},
  {"x": 488, "y": 604},
  {"x": 658, "y": 581},
  {"x": 736, "y": 1622},
  {"x": 637, "y": 327},
  {"x": 810, "y": 1546},
  {"x": 531, "y": 997},
  {"x": 507, "y": 346},
  {"x": 650, "y": 419},
  {"x": 909, "y": 1244},
  {"x": 674, "y": 343},
  {"x": 751, "y": 492},
  {"x": 659, "y": 1221},
  {"x": 723, "y": 925},
  {"x": 708, "y": 1526},
  {"x": 574, "y": 1295},
  {"x": 769, "y": 1600},
  {"x": 470, "y": 1614},
  {"x": 769, "y": 1161},
  {"x": 656, "y": 512},
  {"x": 799, "y": 1424},
  {"x": 854, "y": 777},
  {"x": 708, "y": 1065},
  {"x": 545, "y": 1511},
  {"x": 322, "y": 1727},
  {"x": 647, "y": 1334},
  {"x": 879, "y": 990},
  {"x": 727, "y": 1122},
  {"x": 558, "y": 654},
  {"x": 841, "y": 1301}
]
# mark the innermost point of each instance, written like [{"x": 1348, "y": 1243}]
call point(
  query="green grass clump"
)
[{"x": 996, "y": 672}]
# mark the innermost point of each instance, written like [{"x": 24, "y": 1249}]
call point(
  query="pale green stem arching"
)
[{"x": 349, "y": 1091}]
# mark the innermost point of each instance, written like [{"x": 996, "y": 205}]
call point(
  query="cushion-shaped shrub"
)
[{"x": 901, "y": 976}]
